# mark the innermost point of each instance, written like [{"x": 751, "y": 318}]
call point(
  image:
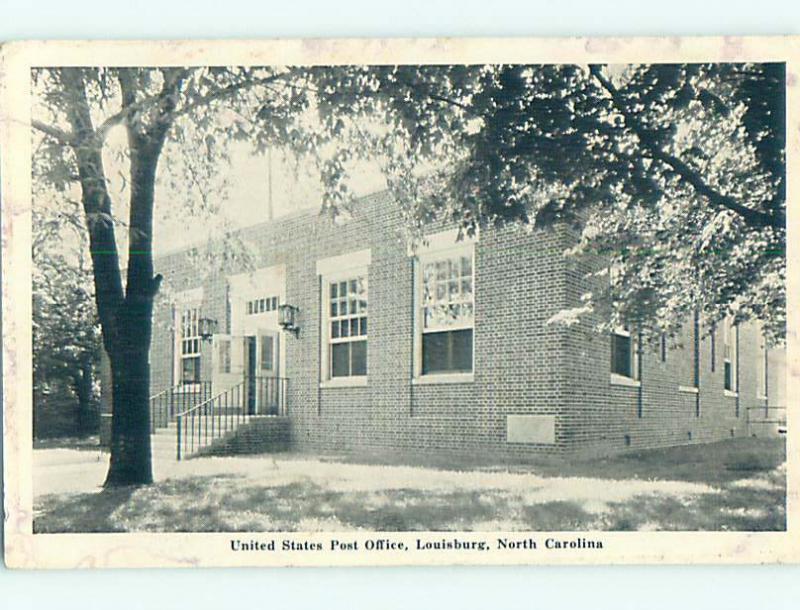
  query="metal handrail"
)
[
  {"x": 163, "y": 404},
  {"x": 203, "y": 423}
]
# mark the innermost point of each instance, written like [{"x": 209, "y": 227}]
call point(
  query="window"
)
[
  {"x": 713, "y": 348},
  {"x": 663, "y": 347},
  {"x": 447, "y": 311},
  {"x": 624, "y": 354},
  {"x": 730, "y": 336},
  {"x": 190, "y": 346},
  {"x": 224, "y": 347},
  {"x": 267, "y": 353},
  {"x": 762, "y": 366},
  {"x": 263, "y": 305},
  {"x": 347, "y": 326}
]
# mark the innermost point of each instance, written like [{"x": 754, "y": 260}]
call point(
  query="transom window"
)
[
  {"x": 447, "y": 311},
  {"x": 347, "y": 326},
  {"x": 190, "y": 346},
  {"x": 263, "y": 305}
]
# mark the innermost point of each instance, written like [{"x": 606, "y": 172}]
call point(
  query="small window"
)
[
  {"x": 663, "y": 347},
  {"x": 730, "y": 335},
  {"x": 267, "y": 353},
  {"x": 624, "y": 354},
  {"x": 621, "y": 355},
  {"x": 224, "y": 356}
]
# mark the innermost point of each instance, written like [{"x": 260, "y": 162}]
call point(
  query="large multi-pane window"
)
[
  {"x": 347, "y": 326},
  {"x": 729, "y": 354},
  {"x": 190, "y": 346},
  {"x": 447, "y": 311}
]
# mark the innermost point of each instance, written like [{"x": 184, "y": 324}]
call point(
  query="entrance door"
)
[
  {"x": 250, "y": 378},
  {"x": 269, "y": 390},
  {"x": 227, "y": 363}
]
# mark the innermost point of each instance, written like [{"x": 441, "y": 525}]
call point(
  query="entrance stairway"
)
[{"x": 249, "y": 417}]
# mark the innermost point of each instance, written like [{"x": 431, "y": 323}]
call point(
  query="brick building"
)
[{"x": 446, "y": 349}]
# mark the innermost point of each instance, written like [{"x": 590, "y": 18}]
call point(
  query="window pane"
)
[
  {"x": 340, "y": 359},
  {"x": 334, "y": 290},
  {"x": 364, "y": 327},
  {"x": 334, "y": 309},
  {"x": 345, "y": 329},
  {"x": 466, "y": 265},
  {"x": 342, "y": 308},
  {"x": 267, "y": 353},
  {"x": 359, "y": 357},
  {"x": 335, "y": 330},
  {"x": 342, "y": 289},
  {"x": 447, "y": 352},
  {"x": 621, "y": 355},
  {"x": 224, "y": 356},
  {"x": 354, "y": 327},
  {"x": 274, "y": 303},
  {"x": 190, "y": 372},
  {"x": 461, "y": 341},
  {"x": 728, "y": 376}
]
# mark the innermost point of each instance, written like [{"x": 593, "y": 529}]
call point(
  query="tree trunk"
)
[
  {"x": 125, "y": 316},
  {"x": 130, "y": 424}
]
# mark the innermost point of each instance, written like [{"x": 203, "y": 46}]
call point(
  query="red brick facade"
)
[{"x": 522, "y": 365}]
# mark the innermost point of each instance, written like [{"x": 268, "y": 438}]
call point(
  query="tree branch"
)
[
  {"x": 752, "y": 217},
  {"x": 54, "y": 132}
]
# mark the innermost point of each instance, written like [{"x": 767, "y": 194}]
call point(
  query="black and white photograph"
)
[{"x": 409, "y": 307}]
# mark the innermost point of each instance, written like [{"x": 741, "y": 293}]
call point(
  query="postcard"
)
[{"x": 400, "y": 302}]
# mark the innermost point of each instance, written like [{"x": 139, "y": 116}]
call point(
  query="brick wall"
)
[{"x": 522, "y": 365}]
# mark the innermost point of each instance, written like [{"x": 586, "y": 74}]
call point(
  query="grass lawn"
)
[{"x": 739, "y": 484}]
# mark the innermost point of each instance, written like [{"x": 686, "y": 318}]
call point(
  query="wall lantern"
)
[
  {"x": 287, "y": 318},
  {"x": 206, "y": 328}
]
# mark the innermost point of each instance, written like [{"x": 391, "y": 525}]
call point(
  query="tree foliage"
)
[{"x": 673, "y": 174}]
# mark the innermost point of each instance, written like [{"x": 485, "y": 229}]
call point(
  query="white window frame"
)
[
  {"x": 338, "y": 269},
  {"x": 730, "y": 354},
  {"x": 624, "y": 380},
  {"x": 440, "y": 246}
]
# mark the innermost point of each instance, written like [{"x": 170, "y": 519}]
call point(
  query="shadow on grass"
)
[
  {"x": 79, "y": 443},
  {"x": 81, "y": 513},
  {"x": 710, "y": 463},
  {"x": 749, "y": 495}
]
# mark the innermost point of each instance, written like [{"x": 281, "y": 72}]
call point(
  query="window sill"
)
[
  {"x": 344, "y": 382},
  {"x": 688, "y": 389},
  {"x": 443, "y": 379},
  {"x": 731, "y": 394},
  {"x": 621, "y": 380}
]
